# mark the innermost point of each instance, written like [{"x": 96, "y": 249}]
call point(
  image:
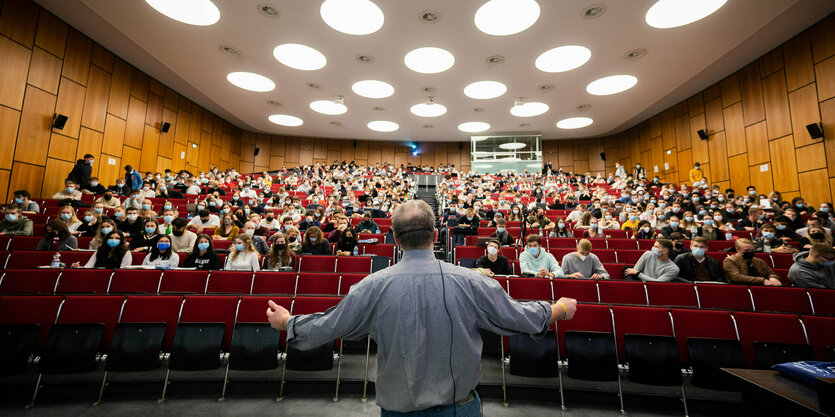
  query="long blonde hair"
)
[{"x": 248, "y": 246}]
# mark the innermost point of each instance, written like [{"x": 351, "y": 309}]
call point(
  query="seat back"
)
[
  {"x": 592, "y": 356},
  {"x": 704, "y": 324},
  {"x": 622, "y": 292},
  {"x": 733, "y": 297},
  {"x": 211, "y": 309},
  {"x": 154, "y": 309},
  {"x": 254, "y": 347},
  {"x": 197, "y": 346},
  {"x": 629, "y": 256},
  {"x": 144, "y": 281},
  {"x": 184, "y": 282},
  {"x": 652, "y": 359},
  {"x": 346, "y": 281},
  {"x": 651, "y": 321},
  {"x": 311, "y": 283},
  {"x": 84, "y": 309},
  {"x": 274, "y": 283},
  {"x": 821, "y": 332},
  {"x": 29, "y": 281},
  {"x": 671, "y": 294},
  {"x": 533, "y": 357},
  {"x": 758, "y": 328},
  {"x": 583, "y": 290},
  {"x": 823, "y": 300},
  {"x": 707, "y": 358},
  {"x": 589, "y": 318},
  {"x": 135, "y": 347},
  {"x": 84, "y": 281},
  {"x": 530, "y": 289},
  {"x": 794, "y": 300},
  {"x": 17, "y": 344},
  {"x": 622, "y": 244},
  {"x": 71, "y": 348},
  {"x": 379, "y": 249},
  {"x": 39, "y": 310},
  {"x": 354, "y": 264},
  {"x": 29, "y": 259},
  {"x": 229, "y": 282},
  {"x": 317, "y": 263}
]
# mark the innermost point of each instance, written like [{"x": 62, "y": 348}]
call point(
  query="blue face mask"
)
[
  {"x": 66, "y": 216},
  {"x": 146, "y": 207},
  {"x": 673, "y": 224},
  {"x": 203, "y": 245},
  {"x": 699, "y": 252},
  {"x": 150, "y": 230},
  {"x": 11, "y": 217},
  {"x": 89, "y": 219},
  {"x": 688, "y": 219},
  {"x": 163, "y": 246},
  {"x": 167, "y": 206},
  {"x": 20, "y": 201},
  {"x": 106, "y": 230},
  {"x": 118, "y": 214},
  {"x": 239, "y": 247},
  {"x": 593, "y": 226},
  {"x": 168, "y": 219},
  {"x": 822, "y": 209},
  {"x": 708, "y": 222},
  {"x": 468, "y": 217},
  {"x": 314, "y": 239},
  {"x": 656, "y": 252},
  {"x": 533, "y": 251},
  {"x": 633, "y": 218},
  {"x": 781, "y": 227},
  {"x": 70, "y": 189},
  {"x": 768, "y": 235},
  {"x": 113, "y": 242}
]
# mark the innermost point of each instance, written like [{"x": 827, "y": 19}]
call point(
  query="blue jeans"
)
[{"x": 470, "y": 407}]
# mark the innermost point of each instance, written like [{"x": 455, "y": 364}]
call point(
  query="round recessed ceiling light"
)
[
  {"x": 329, "y": 107},
  {"x": 506, "y": 17},
  {"x": 484, "y": 90},
  {"x": 574, "y": 123},
  {"x": 473, "y": 127},
  {"x": 373, "y": 89},
  {"x": 428, "y": 109},
  {"x": 512, "y": 146},
  {"x": 528, "y": 109},
  {"x": 611, "y": 85},
  {"x": 665, "y": 14},
  {"x": 563, "y": 58},
  {"x": 300, "y": 57},
  {"x": 250, "y": 81},
  {"x": 352, "y": 17},
  {"x": 429, "y": 60},
  {"x": 383, "y": 126},
  {"x": 191, "y": 12},
  {"x": 285, "y": 120}
]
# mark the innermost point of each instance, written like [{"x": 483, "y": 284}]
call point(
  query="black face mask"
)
[
  {"x": 279, "y": 246},
  {"x": 291, "y": 239},
  {"x": 178, "y": 233},
  {"x": 816, "y": 236},
  {"x": 51, "y": 235},
  {"x": 270, "y": 218},
  {"x": 108, "y": 197},
  {"x": 679, "y": 245},
  {"x": 748, "y": 255}
]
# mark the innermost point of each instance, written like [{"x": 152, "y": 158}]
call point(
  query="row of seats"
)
[{"x": 608, "y": 243}]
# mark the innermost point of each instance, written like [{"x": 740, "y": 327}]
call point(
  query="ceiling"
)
[{"x": 679, "y": 61}]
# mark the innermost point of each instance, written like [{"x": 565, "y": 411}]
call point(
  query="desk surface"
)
[{"x": 789, "y": 390}]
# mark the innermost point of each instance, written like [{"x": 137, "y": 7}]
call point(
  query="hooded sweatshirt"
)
[{"x": 805, "y": 275}]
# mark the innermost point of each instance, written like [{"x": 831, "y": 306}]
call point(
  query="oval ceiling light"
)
[
  {"x": 372, "y": 89},
  {"x": 485, "y": 90},
  {"x": 191, "y": 12},
  {"x": 512, "y": 146},
  {"x": 665, "y": 14},
  {"x": 251, "y": 81},
  {"x": 383, "y": 126},
  {"x": 506, "y": 17},
  {"x": 300, "y": 57},
  {"x": 429, "y": 60},
  {"x": 528, "y": 109},
  {"x": 563, "y": 58},
  {"x": 428, "y": 109},
  {"x": 352, "y": 17},
  {"x": 574, "y": 122},
  {"x": 611, "y": 85},
  {"x": 329, "y": 107},
  {"x": 473, "y": 127},
  {"x": 285, "y": 120}
]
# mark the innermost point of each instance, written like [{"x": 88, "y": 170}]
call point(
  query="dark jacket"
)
[
  {"x": 81, "y": 173},
  {"x": 500, "y": 267},
  {"x": 206, "y": 262},
  {"x": 687, "y": 265},
  {"x": 321, "y": 248}
]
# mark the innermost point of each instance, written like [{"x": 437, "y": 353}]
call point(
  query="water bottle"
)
[
  {"x": 56, "y": 260},
  {"x": 540, "y": 232},
  {"x": 729, "y": 236},
  {"x": 356, "y": 250},
  {"x": 766, "y": 245}
]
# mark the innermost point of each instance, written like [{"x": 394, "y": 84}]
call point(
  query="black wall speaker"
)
[
  {"x": 257, "y": 150},
  {"x": 702, "y": 134},
  {"x": 164, "y": 126},
  {"x": 58, "y": 121},
  {"x": 460, "y": 146},
  {"x": 355, "y": 143},
  {"x": 815, "y": 130},
  {"x": 603, "y": 155}
]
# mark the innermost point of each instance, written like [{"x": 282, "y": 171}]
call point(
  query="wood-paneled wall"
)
[{"x": 114, "y": 110}]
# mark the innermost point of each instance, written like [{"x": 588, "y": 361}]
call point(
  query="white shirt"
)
[
  {"x": 214, "y": 221},
  {"x": 247, "y": 261},
  {"x": 270, "y": 225},
  {"x": 173, "y": 261},
  {"x": 194, "y": 189}
]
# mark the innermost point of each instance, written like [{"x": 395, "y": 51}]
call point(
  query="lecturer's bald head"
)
[{"x": 413, "y": 223}]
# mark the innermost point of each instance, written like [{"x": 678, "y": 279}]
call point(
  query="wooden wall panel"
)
[
  {"x": 14, "y": 60},
  {"x": 18, "y": 21},
  {"x": 35, "y": 125},
  {"x": 114, "y": 136},
  {"x": 814, "y": 186},
  {"x": 52, "y": 34},
  {"x": 756, "y": 137},
  {"x": 44, "y": 71},
  {"x": 89, "y": 142},
  {"x": 771, "y": 62},
  {"x": 700, "y": 153},
  {"x": 828, "y": 119},
  {"x": 734, "y": 130},
  {"x": 54, "y": 174},
  {"x": 826, "y": 78},
  {"x": 823, "y": 38},
  {"x": 811, "y": 157},
  {"x": 135, "y": 127},
  {"x": 119, "y": 97},
  {"x": 95, "y": 102},
  {"x": 150, "y": 145},
  {"x": 804, "y": 110},
  {"x": 26, "y": 177},
  {"x": 110, "y": 169},
  {"x": 797, "y": 53},
  {"x": 738, "y": 171},
  {"x": 776, "y": 105},
  {"x": 784, "y": 164},
  {"x": 713, "y": 116},
  {"x": 77, "y": 58},
  {"x": 62, "y": 147},
  {"x": 9, "y": 122},
  {"x": 752, "y": 94}
]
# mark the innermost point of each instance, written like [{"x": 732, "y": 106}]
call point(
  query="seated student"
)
[
  {"x": 258, "y": 242},
  {"x": 168, "y": 216},
  {"x": 341, "y": 226},
  {"x": 67, "y": 216},
  {"x": 561, "y": 230},
  {"x": 813, "y": 221},
  {"x": 105, "y": 228},
  {"x": 632, "y": 221},
  {"x": 242, "y": 256},
  {"x": 94, "y": 187},
  {"x": 673, "y": 227},
  {"x": 90, "y": 223},
  {"x": 767, "y": 241},
  {"x": 537, "y": 261},
  {"x": 134, "y": 200},
  {"x": 310, "y": 221},
  {"x": 164, "y": 192},
  {"x": 161, "y": 255},
  {"x": 744, "y": 268},
  {"x": 294, "y": 242},
  {"x": 203, "y": 257},
  {"x": 655, "y": 265},
  {"x": 204, "y": 219},
  {"x": 368, "y": 225},
  {"x": 501, "y": 234},
  {"x": 108, "y": 200},
  {"x": 115, "y": 254},
  {"x": 814, "y": 234},
  {"x": 783, "y": 229},
  {"x": 347, "y": 243},
  {"x": 753, "y": 222},
  {"x": 119, "y": 189},
  {"x": 146, "y": 241},
  {"x": 695, "y": 266},
  {"x": 678, "y": 245},
  {"x": 814, "y": 268},
  {"x": 56, "y": 229},
  {"x": 280, "y": 256},
  {"x": 583, "y": 263},
  {"x": 15, "y": 224},
  {"x": 607, "y": 221},
  {"x": 644, "y": 231},
  {"x": 270, "y": 222},
  {"x": 227, "y": 230},
  {"x": 132, "y": 225},
  {"x": 27, "y": 206},
  {"x": 594, "y": 231},
  {"x": 182, "y": 240},
  {"x": 710, "y": 230},
  {"x": 314, "y": 242},
  {"x": 69, "y": 192},
  {"x": 795, "y": 221},
  {"x": 470, "y": 219},
  {"x": 494, "y": 263}
]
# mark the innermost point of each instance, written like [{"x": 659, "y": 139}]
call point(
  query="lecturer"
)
[{"x": 424, "y": 315}]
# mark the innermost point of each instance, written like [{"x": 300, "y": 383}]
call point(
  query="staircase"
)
[{"x": 427, "y": 194}]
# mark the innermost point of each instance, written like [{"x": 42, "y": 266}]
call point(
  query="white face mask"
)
[
  {"x": 582, "y": 257},
  {"x": 492, "y": 250}
]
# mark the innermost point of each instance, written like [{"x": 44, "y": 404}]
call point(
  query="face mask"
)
[
  {"x": 702, "y": 212},
  {"x": 781, "y": 227},
  {"x": 246, "y": 212},
  {"x": 800, "y": 205},
  {"x": 656, "y": 251},
  {"x": 18, "y": 200},
  {"x": 132, "y": 217},
  {"x": 280, "y": 246},
  {"x": 720, "y": 199},
  {"x": 748, "y": 255},
  {"x": 688, "y": 219},
  {"x": 768, "y": 235},
  {"x": 752, "y": 192},
  {"x": 816, "y": 236},
  {"x": 178, "y": 233},
  {"x": 113, "y": 242},
  {"x": 699, "y": 252},
  {"x": 291, "y": 239},
  {"x": 150, "y": 230},
  {"x": 11, "y": 217},
  {"x": 678, "y": 245},
  {"x": 146, "y": 207},
  {"x": 676, "y": 209},
  {"x": 761, "y": 216},
  {"x": 120, "y": 185},
  {"x": 201, "y": 207},
  {"x": 515, "y": 211},
  {"x": 89, "y": 219},
  {"x": 94, "y": 183},
  {"x": 106, "y": 230},
  {"x": 118, "y": 214},
  {"x": 633, "y": 218},
  {"x": 492, "y": 250},
  {"x": 729, "y": 210},
  {"x": 593, "y": 226},
  {"x": 212, "y": 204},
  {"x": 561, "y": 225},
  {"x": 239, "y": 247},
  {"x": 70, "y": 189},
  {"x": 533, "y": 251},
  {"x": 662, "y": 205},
  {"x": 98, "y": 210},
  {"x": 314, "y": 239},
  {"x": 645, "y": 229},
  {"x": 201, "y": 246},
  {"x": 628, "y": 209},
  {"x": 163, "y": 246},
  {"x": 167, "y": 206},
  {"x": 708, "y": 222},
  {"x": 673, "y": 224}
]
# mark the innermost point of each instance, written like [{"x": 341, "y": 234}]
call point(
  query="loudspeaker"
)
[
  {"x": 815, "y": 130},
  {"x": 58, "y": 121},
  {"x": 355, "y": 144},
  {"x": 460, "y": 146},
  {"x": 603, "y": 155},
  {"x": 164, "y": 126},
  {"x": 257, "y": 150},
  {"x": 702, "y": 134}
]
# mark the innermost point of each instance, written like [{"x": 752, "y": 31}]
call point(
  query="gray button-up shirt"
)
[{"x": 402, "y": 308}]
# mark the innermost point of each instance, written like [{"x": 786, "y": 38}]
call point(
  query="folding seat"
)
[
  {"x": 274, "y": 283},
  {"x": 222, "y": 245},
  {"x": 769, "y": 339},
  {"x": 782, "y": 260},
  {"x": 562, "y": 242},
  {"x": 598, "y": 244},
  {"x": 353, "y": 264},
  {"x": 381, "y": 237},
  {"x": 69, "y": 258},
  {"x": 84, "y": 281},
  {"x": 471, "y": 252},
  {"x": 629, "y": 257},
  {"x": 486, "y": 231},
  {"x": 583, "y": 290},
  {"x": 515, "y": 267},
  {"x": 4, "y": 242},
  {"x": 510, "y": 253},
  {"x": 145, "y": 281},
  {"x": 183, "y": 282},
  {"x": 346, "y": 281},
  {"x": 615, "y": 270},
  {"x": 645, "y": 244},
  {"x": 24, "y": 243},
  {"x": 530, "y": 289},
  {"x": 719, "y": 245},
  {"x": 578, "y": 233},
  {"x": 313, "y": 283},
  {"x": 605, "y": 255},
  {"x": 29, "y": 281},
  {"x": 531, "y": 357},
  {"x": 622, "y": 292},
  {"x": 719, "y": 256},
  {"x": 733, "y": 297},
  {"x": 317, "y": 263},
  {"x": 381, "y": 249},
  {"x": 707, "y": 341},
  {"x": 615, "y": 234},
  {"x": 205, "y": 328},
  {"x": 741, "y": 234},
  {"x": 823, "y": 301},
  {"x": 229, "y": 282},
  {"x": 792, "y": 300},
  {"x": 29, "y": 259},
  {"x": 25, "y": 322},
  {"x": 560, "y": 252},
  {"x": 622, "y": 244},
  {"x": 821, "y": 332},
  {"x": 671, "y": 294},
  {"x": 783, "y": 274}
]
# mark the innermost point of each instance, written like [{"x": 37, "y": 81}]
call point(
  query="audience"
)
[
  {"x": 227, "y": 229},
  {"x": 203, "y": 256},
  {"x": 494, "y": 261},
  {"x": 655, "y": 265},
  {"x": 814, "y": 268},
  {"x": 182, "y": 240},
  {"x": 57, "y": 237},
  {"x": 242, "y": 255},
  {"x": 744, "y": 267},
  {"x": 695, "y": 266},
  {"x": 583, "y": 263},
  {"x": 146, "y": 241}
]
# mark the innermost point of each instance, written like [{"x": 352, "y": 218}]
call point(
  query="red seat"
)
[
  {"x": 821, "y": 332},
  {"x": 741, "y": 234},
  {"x": 510, "y": 253},
  {"x": 792, "y": 300},
  {"x": 138, "y": 257},
  {"x": 501, "y": 280},
  {"x": 719, "y": 256},
  {"x": 353, "y": 264},
  {"x": 380, "y": 249},
  {"x": 222, "y": 245},
  {"x": 310, "y": 305},
  {"x": 318, "y": 283},
  {"x": 562, "y": 242},
  {"x": 381, "y": 237},
  {"x": 605, "y": 255},
  {"x": 645, "y": 244},
  {"x": 516, "y": 267},
  {"x": 598, "y": 243},
  {"x": 252, "y": 310},
  {"x": 274, "y": 283},
  {"x": 583, "y": 290},
  {"x": 24, "y": 243},
  {"x": 782, "y": 260},
  {"x": 823, "y": 300},
  {"x": 211, "y": 309},
  {"x": 719, "y": 245},
  {"x": 622, "y": 244},
  {"x": 469, "y": 252},
  {"x": 93, "y": 281},
  {"x": 72, "y": 257},
  {"x": 640, "y": 320},
  {"x": 560, "y": 252},
  {"x": 346, "y": 281},
  {"x": 765, "y": 257},
  {"x": 734, "y": 297},
  {"x": 766, "y": 327},
  {"x": 615, "y": 234},
  {"x": 709, "y": 324},
  {"x": 671, "y": 294},
  {"x": 629, "y": 257},
  {"x": 29, "y": 259},
  {"x": 783, "y": 274},
  {"x": 135, "y": 281},
  {"x": 588, "y": 318},
  {"x": 615, "y": 270},
  {"x": 530, "y": 289},
  {"x": 622, "y": 292},
  {"x": 29, "y": 281},
  {"x": 104, "y": 309},
  {"x": 31, "y": 309},
  {"x": 317, "y": 263},
  {"x": 229, "y": 282},
  {"x": 154, "y": 309},
  {"x": 184, "y": 282}
]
